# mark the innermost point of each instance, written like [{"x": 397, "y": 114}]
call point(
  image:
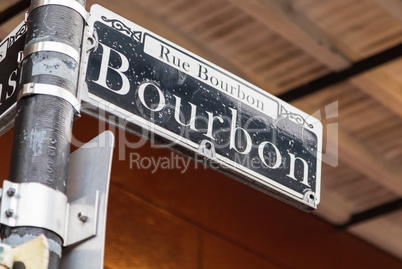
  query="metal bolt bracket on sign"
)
[
  {"x": 37, "y": 205},
  {"x": 83, "y": 217},
  {"x": 27, "y": 204},
  {"x": 90, "y": 44},
  {"x": 89, "y": 171}
]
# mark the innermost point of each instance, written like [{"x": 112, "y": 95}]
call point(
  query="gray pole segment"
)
[{"x": 42, "y": 132}]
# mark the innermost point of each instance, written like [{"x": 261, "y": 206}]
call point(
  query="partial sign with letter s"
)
[{"x": 9, "y": 76}]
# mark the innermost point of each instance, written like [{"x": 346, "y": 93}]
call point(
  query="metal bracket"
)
[
  {"x": 20, "y": 57},
  {"x": 89, "y": 171},
  {"x": 82, "y": 219},
  {"x": 3, "y": 50},
  {"x": 310, "y": 198},
  {"x": 6, "y": 256},
  {"x": 36, "y": 205},
  {"x": 33, "y": 204},
  {"x": 51, "y": 46},
  {"x": 92, "y": 40},
  {"x": 26, "y": 15},
  {"x": 90, "y": 44},
  {"x": 207, "y": 148},
  {"x": 66, "y": 3},
  {"x": 48, "y": 89}
]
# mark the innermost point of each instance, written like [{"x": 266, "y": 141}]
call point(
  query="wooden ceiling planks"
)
[
  {"x": 383, "y": 87},
  {"x": 354, "y": 188},
  {"x": 363, "y": 113},
  {"x": 296, "y": 28},
  {"x": 393, "y": 7},
  {"x": 361, "y": 26},
  {"x": 358, "y": 113}
]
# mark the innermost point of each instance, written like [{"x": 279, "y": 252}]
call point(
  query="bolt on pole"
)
[{"x": 42, "y": 132}]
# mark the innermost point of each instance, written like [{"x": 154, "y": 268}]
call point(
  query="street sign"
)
[
  {"x": 203, "y": 111},
  {"x": 9, "y": 76}
]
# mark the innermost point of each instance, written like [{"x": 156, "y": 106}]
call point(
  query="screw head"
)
[
  {"x": 11, "y": 192},
  {"x": 82, "y": 217},
  {"x": 9, "y": 213}
]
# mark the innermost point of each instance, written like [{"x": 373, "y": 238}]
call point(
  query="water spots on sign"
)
[{"x": 173, "y": 97}]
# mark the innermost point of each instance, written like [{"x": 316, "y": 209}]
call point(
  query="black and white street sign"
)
[
  {"x": 9, "y": 76},
  {"x": 203, "y": 110}
]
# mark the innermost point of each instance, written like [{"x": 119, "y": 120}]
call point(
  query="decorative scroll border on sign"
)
[
  {"x": 121, "y": 27},
  {"x": 20, "y": 32},
  {"x": 293, "y": 116}
]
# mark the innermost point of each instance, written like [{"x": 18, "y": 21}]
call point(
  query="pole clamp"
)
[
  {"x": 52, "y": 46},
  {"x": 66, "y": 3},
  {"x": 48, "y": 89},
  {"x": 37, "y": 205},
  {"x": 6, "y": 256}
]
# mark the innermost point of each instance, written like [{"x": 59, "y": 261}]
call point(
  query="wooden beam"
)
[
  {"x": 360, "y": 157},
  {"x": 279, "y": 17},
  {"x": 382, "y": 87},
  {"x": 393, "y": 7}
]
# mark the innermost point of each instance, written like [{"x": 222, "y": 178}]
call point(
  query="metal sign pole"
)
[{"x": 41, "y": 142}]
